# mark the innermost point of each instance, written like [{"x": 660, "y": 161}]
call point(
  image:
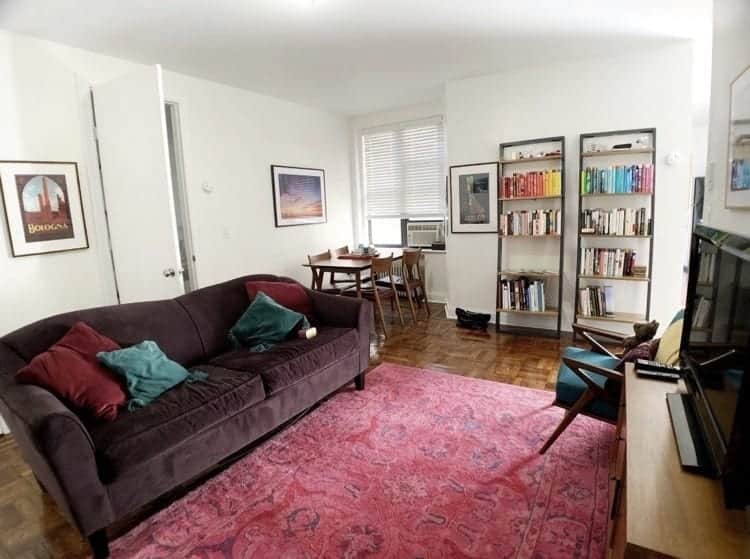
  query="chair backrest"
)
[
  {"x": 313, "y": 258},
  {"x": 411, "y": 260},
  {"x": 339, "y": 251},
  {"x": 381, "y": 267}
]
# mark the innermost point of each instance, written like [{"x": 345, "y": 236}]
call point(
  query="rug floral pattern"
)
[{"x": 418, "y": 465}]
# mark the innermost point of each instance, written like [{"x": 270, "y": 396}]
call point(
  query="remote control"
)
[
  {"x": 646, "y": 365},
  {"x": 658, "y": 375}
]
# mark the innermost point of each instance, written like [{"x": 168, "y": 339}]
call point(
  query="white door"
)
[{"x": 132, "y": 134}]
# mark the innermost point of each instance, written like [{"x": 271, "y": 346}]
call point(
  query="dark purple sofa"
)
[{"x": 100, "y": 472}]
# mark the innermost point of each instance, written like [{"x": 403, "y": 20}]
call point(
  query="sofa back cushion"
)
[
  {"x": 165, "y": 322},
  {"x": 215, "y": 309}
]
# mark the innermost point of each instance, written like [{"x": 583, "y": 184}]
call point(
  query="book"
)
[{"x": 617, "y": 179}]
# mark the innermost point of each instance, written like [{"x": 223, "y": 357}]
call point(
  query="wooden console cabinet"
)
[{"x": 657, "y": 509}]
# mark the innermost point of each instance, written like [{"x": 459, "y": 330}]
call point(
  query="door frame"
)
[{"x": 180, "y": 182}]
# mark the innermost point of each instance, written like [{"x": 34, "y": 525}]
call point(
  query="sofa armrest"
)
[
  {"x": 58, "y": 448},
  {"x": 345, "y": 312}
]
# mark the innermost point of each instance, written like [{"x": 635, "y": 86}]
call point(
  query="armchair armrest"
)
[
  {"x": 345, "y": 312},
  {"x": 59, "y": 449},
  {"x": 588, "y": 332}
]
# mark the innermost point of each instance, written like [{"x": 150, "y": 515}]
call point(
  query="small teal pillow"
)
[
  {"x": 148, "y": 373},
  {"x": 265, "y": 323}
]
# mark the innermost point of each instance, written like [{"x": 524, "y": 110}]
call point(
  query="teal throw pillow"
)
[
  {"x": 148, "y": 373},
  {"x": 265, "y": 323}
]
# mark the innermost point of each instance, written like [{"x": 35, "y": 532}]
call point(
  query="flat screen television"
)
[{"x": 715, "y": 356}]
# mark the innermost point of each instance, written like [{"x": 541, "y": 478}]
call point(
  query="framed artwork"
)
[
  {"x": 473, "y": 198},
  {"x": 299, "y": 195},
  {"x": 43, "y": 210},
  {"x": 738, "y": 174}
]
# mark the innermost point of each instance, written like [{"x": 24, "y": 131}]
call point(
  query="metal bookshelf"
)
[
  {"x": 640, "y": 310},
  {"x": 507, "y": 247}
]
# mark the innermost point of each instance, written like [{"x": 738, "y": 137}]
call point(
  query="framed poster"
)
[
  {"x": 42, "y": 203},
  {"x": 474, "y": 198},
  {"x": 299, "y": 195},
  {"x": 738, "y": 174}
]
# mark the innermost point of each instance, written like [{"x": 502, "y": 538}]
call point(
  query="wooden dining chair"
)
[
  {"x": 317, "y": 276},
  {"x": 411, "y": 282},
  {"x": 382, "y": 288},
  {"x": 345, "y": 281}
]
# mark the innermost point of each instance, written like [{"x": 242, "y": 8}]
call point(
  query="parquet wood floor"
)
[{"x": 32, "y": 528}]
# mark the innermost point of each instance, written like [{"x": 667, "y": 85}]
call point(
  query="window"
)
[{"x": 403, "y": 177}]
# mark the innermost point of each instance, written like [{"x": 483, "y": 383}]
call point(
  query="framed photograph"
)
[
  {"x": 43, "y": 210},
  {"x": 473, "y": 198},
  {"x": 738, "y": 174},
  {"x": 299, "y": 195}
]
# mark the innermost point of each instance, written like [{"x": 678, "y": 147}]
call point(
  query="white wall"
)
[
  {"x": 435, "y": 262},
  {"x": 731, "y": 55},
  {"x": 230, "y": 139},
  {"x": 635, "y": 90}
]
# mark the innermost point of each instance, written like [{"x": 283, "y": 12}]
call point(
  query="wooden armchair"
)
[{"x": 587, "y": 382}]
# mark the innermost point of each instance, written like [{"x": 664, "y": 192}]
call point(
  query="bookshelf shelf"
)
[
  {"x": 638, "y": 172},
  {"x": 546, "y": 183},
  {"x": 524, "y": 198},
  {"x": 616, "y": 278},
  {"x": 529, "y": 274},
  {"x": 529, "y": 159},
  {"x": 611, "y": 152},
  {"x": 615, "y": 317},
  {"x": 548, "y": 312},
  {"x": 528, "y": 236},
  {"x": 592, "y": 235}
]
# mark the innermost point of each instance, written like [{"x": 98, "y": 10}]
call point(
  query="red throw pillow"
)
[
  {"x": 69, "y": 369},
  {"x": 290, "y": 295}
]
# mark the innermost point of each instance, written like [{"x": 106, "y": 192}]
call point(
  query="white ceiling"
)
[{"x": 354, "y": 56}]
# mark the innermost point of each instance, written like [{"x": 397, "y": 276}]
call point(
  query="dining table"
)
[{"x": 351, "y": 263}]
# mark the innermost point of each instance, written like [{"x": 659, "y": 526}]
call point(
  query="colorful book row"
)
[
  {"x": 619, "y": 179},
  {"x": 522, "y": 295},
  {"x": 531, "y": 223},
  {"x": 532, "y": 185},
  {"x": 620, "y": 221}
]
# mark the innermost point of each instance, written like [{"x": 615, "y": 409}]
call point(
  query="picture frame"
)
[
  {"x": 43, "y": 207},
  {"x": 299, "y": 195},
  {"x": 737, "y": 193},
  {"x": 473, "y": 197}
]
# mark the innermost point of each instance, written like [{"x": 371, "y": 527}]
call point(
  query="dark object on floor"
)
[
  {"x": 472, "y": 320},
  {"x": 100, "y": 472}
]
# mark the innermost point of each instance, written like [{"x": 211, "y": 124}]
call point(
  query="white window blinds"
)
[{"x": 403, "y": 170}]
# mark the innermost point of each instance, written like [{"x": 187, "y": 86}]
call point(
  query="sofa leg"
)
[
  {"x": 359, "y": 381},
  {"x": 99, "y": 544}
]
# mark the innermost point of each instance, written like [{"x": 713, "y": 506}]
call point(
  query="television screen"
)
[{"x": 715, "y": 347}]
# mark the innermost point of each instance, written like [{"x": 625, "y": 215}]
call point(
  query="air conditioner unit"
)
[{"x": 425, "y": 233}]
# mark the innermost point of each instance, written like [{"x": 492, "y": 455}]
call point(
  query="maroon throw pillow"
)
[
  {"x": 641, "y": 351},
  {"x": 69, "y": 369},
  {"x": 290, "y": 295}
]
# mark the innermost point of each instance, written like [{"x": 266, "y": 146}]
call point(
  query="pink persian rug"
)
[{"x": 419, "y": 464}]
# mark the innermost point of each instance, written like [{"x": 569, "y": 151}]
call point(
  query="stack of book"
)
[
  {"x": 702, "y": 314},
  {"x": 620, "y": 179},
  {"x": 620, "y": 221},
  {"x": 531, "y": 223},
  {"x": 639, "y": 271},
  {"x": 612, "y": 262},
  {"x": 522, "y": 295},
  {"x": 533, "y": 184},
  {"x": 596, "y": 301},
  {"x": 706, "y": 267}
]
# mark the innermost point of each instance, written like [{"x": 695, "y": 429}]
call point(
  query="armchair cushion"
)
[{"x": 570, "y": 387}]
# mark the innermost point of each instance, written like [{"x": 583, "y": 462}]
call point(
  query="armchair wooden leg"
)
[
  {"x": 99, "y": 544},
  {"x": 359, "y": 381},
  {"x": 570, "y": 415}
]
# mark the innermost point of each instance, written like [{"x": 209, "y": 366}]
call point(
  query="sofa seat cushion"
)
[
  {"x": 570, "y": 387},
  {"x": 294, "y": 359},
  {"x": 178, "y": 414}
]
